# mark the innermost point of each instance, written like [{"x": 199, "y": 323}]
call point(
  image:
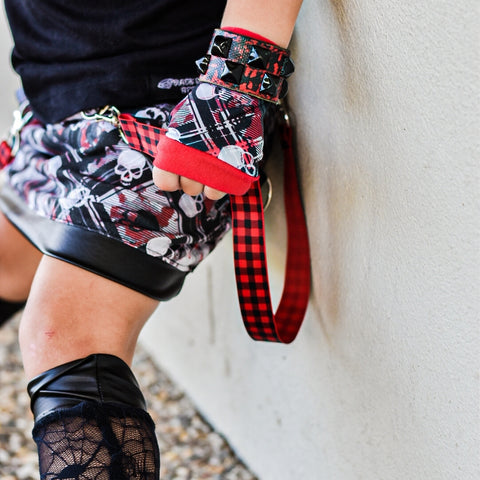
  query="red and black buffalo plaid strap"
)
[
  {"x": 140, "y": 136},
  {"x": 251, "y": 263},
  {"x": 249, "y": 246}
]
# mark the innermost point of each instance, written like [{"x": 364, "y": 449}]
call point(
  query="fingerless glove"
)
[{"x": 216, "y": 133}]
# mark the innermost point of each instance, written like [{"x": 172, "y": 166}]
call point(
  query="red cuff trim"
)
[
  {"x": 189, "y": 162},
  {"x": 247, "y": 33}
]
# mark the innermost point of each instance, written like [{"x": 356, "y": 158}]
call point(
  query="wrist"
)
[{"x": 247, "y": 33}]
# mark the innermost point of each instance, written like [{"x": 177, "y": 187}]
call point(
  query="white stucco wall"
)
[{"x": 383, "y": 381}]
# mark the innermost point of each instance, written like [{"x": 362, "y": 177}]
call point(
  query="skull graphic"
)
[
  {"x": 130, "y": 166},
  {"x": 191, "y": 206},
  {"x": 158, "y": 246}
]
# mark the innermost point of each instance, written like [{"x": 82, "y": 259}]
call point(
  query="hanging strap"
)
[
  {"x": 249, "y": 245},
  {"x": 251, "y": 263}
]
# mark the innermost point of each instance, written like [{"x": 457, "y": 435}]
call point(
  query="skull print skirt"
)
[{"x": 79, "y": 193}]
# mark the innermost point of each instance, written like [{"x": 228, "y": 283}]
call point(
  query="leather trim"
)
[
  {"x": 93, "y": 252},
  {"x": 100, "y": 377}
]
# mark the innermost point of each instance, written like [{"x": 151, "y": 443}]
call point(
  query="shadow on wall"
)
[{"x": 334, "y": 188}]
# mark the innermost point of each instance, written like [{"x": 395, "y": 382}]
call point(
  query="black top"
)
[{"x": 79, "y": 54}]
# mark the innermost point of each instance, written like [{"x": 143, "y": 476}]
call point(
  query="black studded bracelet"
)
[{"x": 246, "y": 65}]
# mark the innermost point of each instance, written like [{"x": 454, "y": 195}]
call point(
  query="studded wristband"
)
[{"x": 247, "y": 65}]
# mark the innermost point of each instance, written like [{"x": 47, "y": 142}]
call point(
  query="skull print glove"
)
[{"x": 215, "y": 135}]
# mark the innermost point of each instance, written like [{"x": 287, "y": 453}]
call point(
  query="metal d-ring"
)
[
  {"x": 268, "y": 200},
  {"x": 109, "y": 114}
]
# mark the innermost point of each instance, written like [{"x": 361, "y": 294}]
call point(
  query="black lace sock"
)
[
  {"x": 91, "y": 422},
  {"x": 93, "y": 441},
  {"x": 8, "y": 309}
]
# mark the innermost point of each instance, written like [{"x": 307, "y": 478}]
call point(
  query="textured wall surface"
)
[{"x": 382, "y": 382}]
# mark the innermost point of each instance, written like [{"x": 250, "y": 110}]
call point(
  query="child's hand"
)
[
  {"x": 171, "y": 182},
  {"x": 213, "y": 144}
]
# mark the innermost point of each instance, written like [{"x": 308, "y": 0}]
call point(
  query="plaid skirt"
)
[{"x": 79, "y": 193}]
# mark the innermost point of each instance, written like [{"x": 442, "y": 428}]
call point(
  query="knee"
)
[
  {"x": 46, "y": 341},
  {"x": 50, "y": 334}
]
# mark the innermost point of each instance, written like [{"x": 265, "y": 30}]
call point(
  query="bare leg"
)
[
  {"x": 18, "y": 262},
  {"x": 72, "y": 313}
]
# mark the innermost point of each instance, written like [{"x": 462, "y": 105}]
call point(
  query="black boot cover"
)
[
  {"x": 8, "y": 309},
  {"x": 91, "y": 423}
]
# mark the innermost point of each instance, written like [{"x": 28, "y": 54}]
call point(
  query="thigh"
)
[
  {"x": 19, "y": 260},
  {"x": 72, "y": 313}
]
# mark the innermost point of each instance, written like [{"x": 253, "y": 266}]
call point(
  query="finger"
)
[
  {"x": 164, "y": 180},
  {"x": 212, "y": 193},
  {"x": 190, "y": 187}
]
